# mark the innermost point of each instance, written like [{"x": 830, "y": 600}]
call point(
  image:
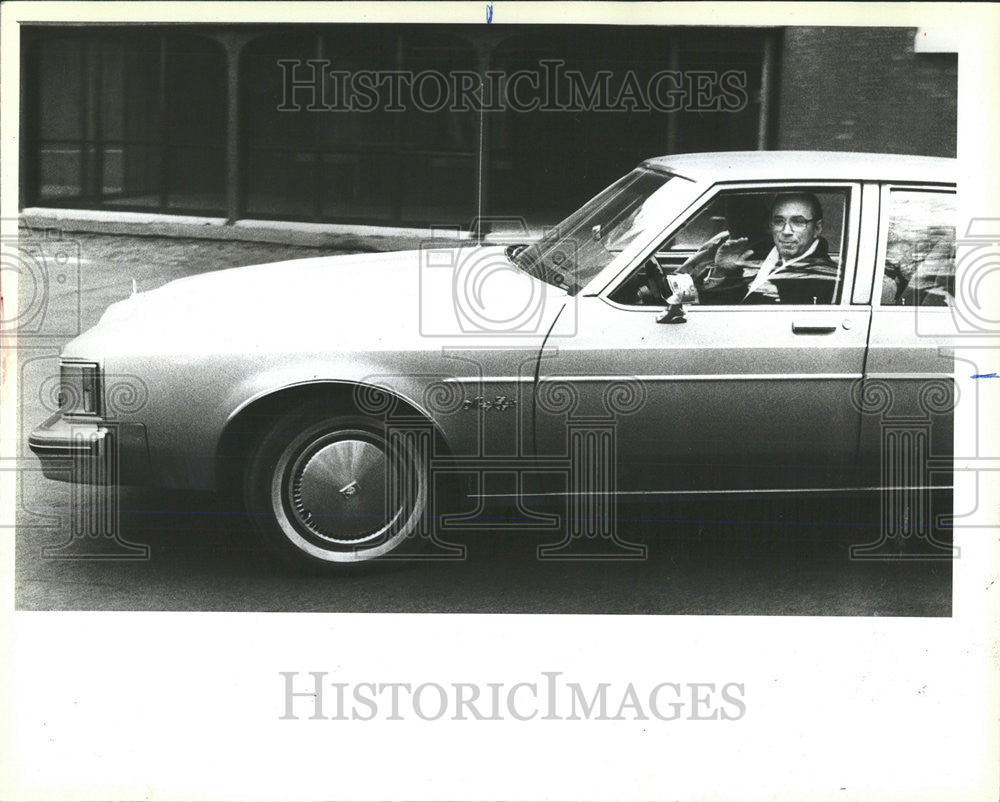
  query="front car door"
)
[{"x": 740, "y": 396}]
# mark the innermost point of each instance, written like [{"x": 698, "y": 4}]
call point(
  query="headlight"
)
[{"x": 79, "y": 388}]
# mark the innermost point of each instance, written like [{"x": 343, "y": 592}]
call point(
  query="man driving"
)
[{"x": 793, "y": 267}]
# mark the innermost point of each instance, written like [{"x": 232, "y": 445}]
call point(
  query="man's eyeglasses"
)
[{"x": 797, "y": 223}]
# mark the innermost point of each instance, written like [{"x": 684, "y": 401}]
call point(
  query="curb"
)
[{"x": 316, "y": 235}]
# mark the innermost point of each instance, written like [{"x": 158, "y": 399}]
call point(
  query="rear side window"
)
[{"x": 920, "y": 249}]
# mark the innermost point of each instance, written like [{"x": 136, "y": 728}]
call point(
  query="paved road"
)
[
  {"x": 734, "y": 559},
  {"x": 758, "y": 558}
]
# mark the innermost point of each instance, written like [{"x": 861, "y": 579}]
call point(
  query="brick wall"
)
[{"x": 865, "y": 89}]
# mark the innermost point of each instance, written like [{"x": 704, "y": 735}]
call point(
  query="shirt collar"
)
[
  {"x": 772, "y": 257},
  {"x": 768, "y": 265}
]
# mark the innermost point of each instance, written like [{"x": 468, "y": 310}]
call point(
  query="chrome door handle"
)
[{"x": 813, "y": 326}]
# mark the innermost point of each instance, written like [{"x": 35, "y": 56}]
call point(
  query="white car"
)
[{"x": 342, "y": 395}]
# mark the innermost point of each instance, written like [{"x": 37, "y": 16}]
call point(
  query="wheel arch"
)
[{"x": 243, "y": 429}]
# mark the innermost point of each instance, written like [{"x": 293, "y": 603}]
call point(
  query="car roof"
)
[{"x": 805, "y": 165}]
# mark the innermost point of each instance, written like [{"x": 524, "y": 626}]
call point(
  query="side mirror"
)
[{"x": 682, "y": 291}]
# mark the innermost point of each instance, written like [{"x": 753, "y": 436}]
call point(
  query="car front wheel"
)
[{"x": 327, "y": 489}]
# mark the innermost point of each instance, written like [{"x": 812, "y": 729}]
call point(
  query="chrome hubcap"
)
[{"x": 338, "y": 489}]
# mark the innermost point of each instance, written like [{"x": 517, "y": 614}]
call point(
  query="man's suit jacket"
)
[{"x": 812, "y": 279}]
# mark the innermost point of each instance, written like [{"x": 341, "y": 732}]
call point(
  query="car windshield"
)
[{"x": 583, "y": 244}]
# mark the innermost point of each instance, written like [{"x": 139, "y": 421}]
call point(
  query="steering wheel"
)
[{"x": 655, "y": 280}]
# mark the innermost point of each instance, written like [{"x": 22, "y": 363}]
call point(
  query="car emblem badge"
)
[
  {"x": 501, "y": 403},
  {"x": 349, "y": 490}
]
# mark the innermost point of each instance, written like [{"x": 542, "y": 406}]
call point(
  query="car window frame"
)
[
  {"x": 689, "y": 195},
  {"x": 883, "y": 239},
  {"x": 849, "y": 258},
  {"x": 868, "y": 234}
]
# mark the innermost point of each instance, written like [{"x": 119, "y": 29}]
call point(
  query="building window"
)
[
  {"x": 129, "y": 121},
  {"x": 619, "y": 108},
  {"x": 136, "y": 118},
  {"x": 310, "y": 157}
]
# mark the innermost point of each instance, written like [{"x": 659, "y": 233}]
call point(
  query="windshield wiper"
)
[{"x": 535, "y": 264}]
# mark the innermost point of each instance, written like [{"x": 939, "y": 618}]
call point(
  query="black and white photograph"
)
[{"x": 426, "y": 374}]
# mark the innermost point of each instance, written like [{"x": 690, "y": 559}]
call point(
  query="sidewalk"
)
[{"x": 102, "y": 268}]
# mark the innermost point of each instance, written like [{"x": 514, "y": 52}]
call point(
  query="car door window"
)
[
  {"x": 753, "y": 246},
  {"x": 919, "y": 265}
]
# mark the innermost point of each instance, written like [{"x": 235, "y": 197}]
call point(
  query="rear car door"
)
[{"x": 907, "y": 429}]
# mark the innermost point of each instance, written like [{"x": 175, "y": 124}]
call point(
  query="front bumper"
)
[{"x": 91, "y": 452}]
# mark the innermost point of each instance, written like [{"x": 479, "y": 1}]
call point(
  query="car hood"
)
[{"x": 390, "y": 300}]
